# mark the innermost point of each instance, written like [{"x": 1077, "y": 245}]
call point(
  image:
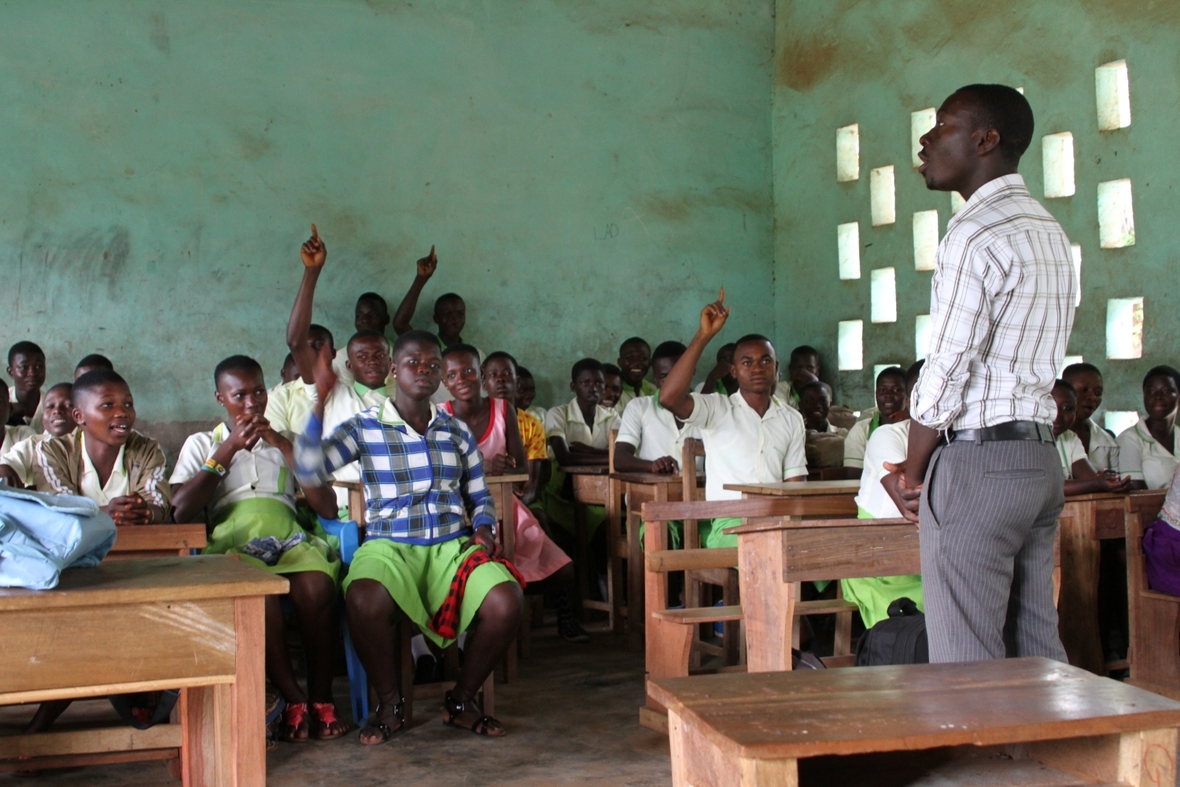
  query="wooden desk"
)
[
  {"x": 356, "y": 502},
  {"x": 797, "y": 488},
  {"x": 193, "y": 623},
  {"x": 640, "y": 488},
  {"x": 501, "y": 488},
  {"x": 753, "y": 729},
  {"x": 156, "y": 541},
  {"x": 592, "y": 486},
  {"x": 1094, "y": 517},
  {"x": 774, "y": 556}
]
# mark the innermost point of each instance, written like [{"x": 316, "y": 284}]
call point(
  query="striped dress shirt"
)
[
  {"x": 418, "y": 488},
  {"x": 1001, "y": 308}
]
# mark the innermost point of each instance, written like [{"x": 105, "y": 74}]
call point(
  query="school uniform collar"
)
[
  {"x": 387, "y": 414},
  {"x": 363, "y": 390},
  {"x": 770, "y": 410},
  {"x": 88, "y": 466}
]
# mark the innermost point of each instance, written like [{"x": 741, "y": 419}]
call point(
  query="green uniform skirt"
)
[
  {"x": 418, "y": 578},
  {"x": 873, "y": 595},
  {"x": 235, "y": 526}
]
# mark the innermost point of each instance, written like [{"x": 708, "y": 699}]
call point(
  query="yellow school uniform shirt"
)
[{"x": 36, "y": 424}]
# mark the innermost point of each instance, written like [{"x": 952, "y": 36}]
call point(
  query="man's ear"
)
[
  {"x": 79, "y": 419},
  {"x": 573, "y": 387},
  {"x": 988, "y": 142}
]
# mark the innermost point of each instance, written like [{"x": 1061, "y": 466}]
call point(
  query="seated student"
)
[
  {"x": 824, "y": 446},
  {"x": 240, "y": 476},
  {"x": 289, "y": 405},
  {"x": 802, "y": 368},
  {"x": 612, "y": 387},
  {"x": 634, "y": 361},
  {"x": 501, "y": 382},
  {"x": 13, "y": 434},
  {"x": 105, "y": 459},
  {"x": 1161, "y": 543},
  {"x": 887, "y": 447},
  {"x": 17, "y": 460},
  {"x": 720, "y": 378},
  {"x": 536, "y": 556},
  {"x": 1080, "y": 476},
  {"x": 526, "y": 393},
  {"x": 289, "y": 373},
  {"x": 423, "y": 479},
  {"x": 748, "y": 436},
  {"x": 92, "y": 362},
  {"x": 26, "y": 366},
  {"x": 371, "y": 314},
  {"x": 892, "y": 407},
  {"x": 1101, "y": 447},
  {"x": 1147, "y": 451}
]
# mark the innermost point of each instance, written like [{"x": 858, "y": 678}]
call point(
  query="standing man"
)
[{"x": 981, "y": 476}]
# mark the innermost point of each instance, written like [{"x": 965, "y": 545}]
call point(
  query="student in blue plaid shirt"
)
[{"x": 423, "y": 478}]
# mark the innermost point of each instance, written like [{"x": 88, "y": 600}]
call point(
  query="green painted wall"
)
[
  {"x": 588, "y": 170},
  {"x": 840, "y": 62}
]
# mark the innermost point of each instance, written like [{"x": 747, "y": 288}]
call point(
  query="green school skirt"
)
[
  {"x": 418, "y": 578},
  {"x": 873, "y": 595},
  {"x": 712, "y": 534},
  {"x": 237, "y": 525}
]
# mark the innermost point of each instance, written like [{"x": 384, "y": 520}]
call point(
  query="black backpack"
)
[{"x": 899, "y": 639}]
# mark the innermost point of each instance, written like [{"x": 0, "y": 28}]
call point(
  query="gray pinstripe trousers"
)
[{"x": 987, "y": 524}]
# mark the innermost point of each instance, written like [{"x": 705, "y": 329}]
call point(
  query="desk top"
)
[
  {"x": 804, "y": 524},
  {"x": 157, "y": 579},
  {"x": 919, "y": 706},
  {"x": 585, "y": 469},
  {"x": 507, "y": 478},
  {"x": 798, "y": 488}
]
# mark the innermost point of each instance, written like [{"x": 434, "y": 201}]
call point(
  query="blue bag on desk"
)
[{"x": 40, "y": 534}]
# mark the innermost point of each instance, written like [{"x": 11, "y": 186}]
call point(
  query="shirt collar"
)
[
  {"x": 388, "y": 414},
  {"x": 363, "y": 390},
  {"x": 1013, "y": 183},
  {"x": 774, "y": 405},
  {"x": 88, "y": 466}
]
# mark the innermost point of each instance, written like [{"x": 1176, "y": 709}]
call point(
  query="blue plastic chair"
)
[{"x": 358, "y": 682}]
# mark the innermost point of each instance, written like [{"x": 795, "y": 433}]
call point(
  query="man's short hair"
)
[
  {"x": 322, "y": 331},
  {"x": 911, "y": 374},
  {"x": 1163, "y": 370},
  {"x": 522, "y": 373},
  {"x": 892, "y": 371},
  {"x": 585, "y": 365},
  {"x": 668, "y": 350},
  {"x": 461, "y": 349},
  {"x": 798, "y": 352},
  {"x": 1080, "y": 368},
  {"x": 447, "y": 296},
  {"x": 1064, "y": 386},
  {"x": 235, "y": 363},
  {"x": 501, "y": 355},
  {"x": 421, "y": 337},
  {"x": 95, "y": 361},
  {"x": 60, "y": 387},
  {"x": 813, "y": 384},
  {"x": 1007, "y": 111},
  {"x": 372, "y": 296},
  {"x": 634, "y": 340},
  {"x": 752, "y": 337},
  {"x": 610, "y": 368},
  {"x": 96, "y": 378},
  {"x": 24, "y": 348},
  {"x": 367, "y": 333}
]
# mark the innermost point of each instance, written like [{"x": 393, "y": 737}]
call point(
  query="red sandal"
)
[
  {"x": 325, "y": 724},
  {"x": 294, "y": 728}
]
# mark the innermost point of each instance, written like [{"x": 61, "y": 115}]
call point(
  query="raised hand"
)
[
  {"x": 427, "y": 264},
  {"x": 313, "y": 252},
  {"x": 713, "y": 316}
]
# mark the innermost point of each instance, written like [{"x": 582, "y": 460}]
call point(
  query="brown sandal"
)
[
  {"x": 374, "y": 726},
  {"x": 484, "y": 725}
]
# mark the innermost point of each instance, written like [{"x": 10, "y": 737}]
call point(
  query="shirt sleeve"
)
[
  {"x": 1077, "y": 452},
  {"x": 276, "y": 410},
  {"x": 192, "y": 458},
  {"x": 1131, "y": 454},
  {"x": 855, "y": 443},
  {"x": 474, "y": 487},
  {"x": 631, "y": 424},
  {"x": 52, "y": 467},
  {"x": 959, "y": 316},
  {"x": 316, "y": 458},
  {"x": 706, "y": 409},
  {"x": 21, "y": 458},
  {"x": 795, "y": 457},
  {"x": 152, "y": 482},
  {"x": 555, "y": 423}
]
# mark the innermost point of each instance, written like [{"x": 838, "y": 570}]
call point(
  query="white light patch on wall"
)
[
  {"x": 1124, "y": 328},
  {"x": 1057, "y": 157},
  {"x": 882, "y": 197},
  {"x": 883, "y": 295},
  {"x": 923, "y": 330},
  {"x": 925, "y": 239},
  {"x": 1113, "y": 90},
  {"x": 1076, "y": 249},
  {"x": 1116, "y": 217},
  {"x": 1067, "y": 362},
  {"x": 848, "y": 249},
  {"x": 920, "y": 122},
  {"x": 848, "y": 153},
  {"x": 850, "y": 345},
  {"x": 957, "y": 202},
  {"x": 1119, "y": 421}
]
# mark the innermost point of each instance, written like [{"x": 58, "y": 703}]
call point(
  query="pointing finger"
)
[{"x": 315, "y": 233}]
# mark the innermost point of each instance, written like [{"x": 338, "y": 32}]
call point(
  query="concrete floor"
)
[{"x": 572, "y": 718}]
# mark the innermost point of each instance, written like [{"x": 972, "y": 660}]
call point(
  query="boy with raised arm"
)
[
  {"x": 370, "y": 315},
  {"x": 423, "y": 478},
  {"x": 749, "y": 437}
]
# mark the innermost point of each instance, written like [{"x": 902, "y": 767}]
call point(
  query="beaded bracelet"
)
[{"x": 215, "y": 467}]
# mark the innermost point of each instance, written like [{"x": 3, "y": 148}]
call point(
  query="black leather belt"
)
[{"x": 1013, "y": 430}]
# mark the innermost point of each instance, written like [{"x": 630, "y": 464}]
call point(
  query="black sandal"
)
[
  {"x": 484, "y": 725},
  {"x": 399, "y": 713}
]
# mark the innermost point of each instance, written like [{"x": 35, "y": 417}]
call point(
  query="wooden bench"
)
[
  {"x": 1004, "y": 722},
  {"x": 1154, "y": 652},
  {"x": 669, "y": 633},
  {"x": 193, "y": 623}
]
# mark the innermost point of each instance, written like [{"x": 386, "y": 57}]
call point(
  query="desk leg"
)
[
  {"x": 582, "y": 560},
  {"x": 614, "y": 563},
  {"x": 768, "y": 603},
  {"x": 1144, "y": 758},
  {"x": 696, "y": 760},
  {"x": 1078, "y": 605},
  {"x": 225, "y": 725}
]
